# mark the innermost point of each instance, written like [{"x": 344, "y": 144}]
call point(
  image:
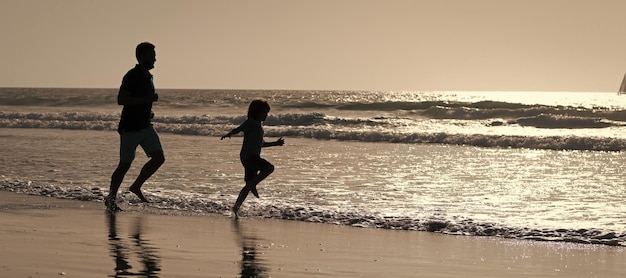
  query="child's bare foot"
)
[
  {"x": 234, "y": 210},
  {"x": 137, "y": 192}
]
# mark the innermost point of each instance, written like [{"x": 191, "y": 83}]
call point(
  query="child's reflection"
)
[
  {"x": 251, "y": 264},
  {"x": 120, "y": 251}
]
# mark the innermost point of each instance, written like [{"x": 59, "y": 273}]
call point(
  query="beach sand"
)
[{"x": 48, "y": 237}]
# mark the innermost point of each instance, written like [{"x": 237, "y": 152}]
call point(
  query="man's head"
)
[{"x": 146, "y": 55}]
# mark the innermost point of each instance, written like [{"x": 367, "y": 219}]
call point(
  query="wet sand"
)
[{"x": 48, "y": 237}]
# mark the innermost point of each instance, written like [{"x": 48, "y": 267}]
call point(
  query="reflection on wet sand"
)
[
  {"x": 251, "y": 264},
  {"x": 121, "y": 250}
]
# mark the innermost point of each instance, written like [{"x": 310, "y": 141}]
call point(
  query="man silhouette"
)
[{"x": 137, "y": 94}]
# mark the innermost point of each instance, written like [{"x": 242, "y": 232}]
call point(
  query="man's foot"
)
[
  {"x": 109, "y": 202},
  {"x": 254, "y": 192},
  {"x": 235, "y": 210},
  {"x": 137, "y": 192}
]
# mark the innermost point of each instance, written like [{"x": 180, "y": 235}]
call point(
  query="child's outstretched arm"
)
[
  {"x": 231, "y": 133},
  {"x": 278, "y": 142}
]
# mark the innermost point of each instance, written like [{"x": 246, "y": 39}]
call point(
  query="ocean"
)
[{"x": 527, "y": 165}]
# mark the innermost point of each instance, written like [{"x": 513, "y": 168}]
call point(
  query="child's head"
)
[{"x": 258, "y": 109}]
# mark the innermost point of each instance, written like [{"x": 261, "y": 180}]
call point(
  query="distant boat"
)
[{"x": 622, "y": 89}]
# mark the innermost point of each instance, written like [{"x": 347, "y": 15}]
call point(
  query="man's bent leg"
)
[{"x": 157, "y": 159}]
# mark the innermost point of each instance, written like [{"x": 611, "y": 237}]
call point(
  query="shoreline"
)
[
  {"x": 463, "y": 227},
  {"x": 49, "y": 237}
]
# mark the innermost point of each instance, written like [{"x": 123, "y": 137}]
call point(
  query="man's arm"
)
[{"x": 124, "y": 98}]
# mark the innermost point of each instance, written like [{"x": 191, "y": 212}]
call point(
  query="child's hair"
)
[{"x": 258, "y": 106}]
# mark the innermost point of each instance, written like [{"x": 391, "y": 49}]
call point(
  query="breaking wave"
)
[
  {"x": 323, "y": 127},
  {"x": 483, "y": 119}
]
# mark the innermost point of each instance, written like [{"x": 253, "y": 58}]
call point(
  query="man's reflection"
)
[
  {"x": 120, "y": 251},
  {"x": 251, "y": 264}
]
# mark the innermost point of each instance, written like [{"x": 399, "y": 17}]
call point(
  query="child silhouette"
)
[{"x": 256, "y": 168}]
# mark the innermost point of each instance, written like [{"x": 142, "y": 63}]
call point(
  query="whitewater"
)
[{"x": 528, "y": 165}]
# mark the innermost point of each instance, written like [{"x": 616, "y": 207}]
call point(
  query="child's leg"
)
[
  {"x": 264, "y": 173},
  {"x": 250, "y": 172},
  {"x": 242, "y": 197},
  {"x": 263, "y": 169},
  {"x": 256, "y": 170}
]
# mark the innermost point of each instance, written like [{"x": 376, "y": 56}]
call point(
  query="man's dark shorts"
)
[
  {"x": 253, "y": 165},
  {"x": 147, "y": 138}
]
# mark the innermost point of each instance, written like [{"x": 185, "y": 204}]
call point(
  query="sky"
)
[{"x": 415, "y": 45}]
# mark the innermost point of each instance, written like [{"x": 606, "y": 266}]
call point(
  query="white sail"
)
[{"x": 622, "y": 88}]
